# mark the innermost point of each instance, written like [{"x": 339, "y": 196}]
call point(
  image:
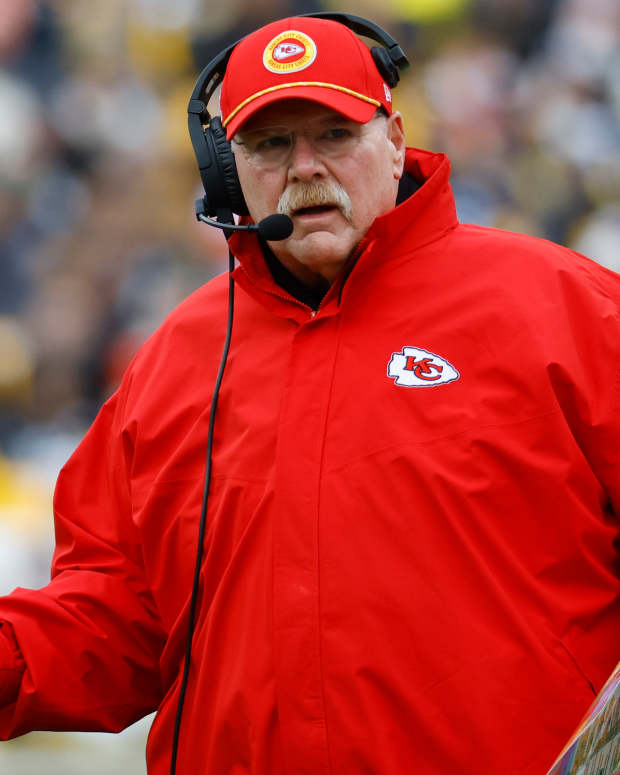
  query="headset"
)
[
  {"x": 215, "y": 158},
  {"x": 223, "y": 197}
]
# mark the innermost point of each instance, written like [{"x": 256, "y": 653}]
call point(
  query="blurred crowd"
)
[{"x": 98, "y": 240}]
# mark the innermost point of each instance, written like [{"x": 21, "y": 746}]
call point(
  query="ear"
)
[{"x": 396, "y": 136}]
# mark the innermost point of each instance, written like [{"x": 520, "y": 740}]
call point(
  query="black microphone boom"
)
[{"x": 274, "y": 227}]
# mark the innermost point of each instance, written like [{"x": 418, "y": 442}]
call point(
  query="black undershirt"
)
[{"x": 312, "y": 296}]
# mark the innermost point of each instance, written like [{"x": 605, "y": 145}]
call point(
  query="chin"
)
[
  {"x": 319, "y": 253},
  {"x": 323, "y": 247},
  {"x": 327, "y": 267},
  {"x": 319, "y": 260}
]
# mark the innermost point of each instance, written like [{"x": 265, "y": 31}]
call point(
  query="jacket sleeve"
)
[
  {"x": 590, "y": 390},
  {"x": 11, "y": 665},
  {"x": 91, "y": 639}
]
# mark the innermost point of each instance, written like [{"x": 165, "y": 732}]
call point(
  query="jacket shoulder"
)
[
  {"x": 533, "y": 259},
  {"x": 187, "y": 343}
]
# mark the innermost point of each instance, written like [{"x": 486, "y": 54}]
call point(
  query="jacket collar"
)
[
  {"x": 422, "y": 218},
  {"x": 425, "y": 215}
]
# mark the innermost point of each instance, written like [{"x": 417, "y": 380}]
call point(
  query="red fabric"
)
[
  {"x": 11, "y": 665},
  {"x": 396, "y": 579}
]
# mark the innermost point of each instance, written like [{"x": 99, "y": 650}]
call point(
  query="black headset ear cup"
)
[
  {"x": 221, "y": 180},
  {"x": 385, "y": 66}
]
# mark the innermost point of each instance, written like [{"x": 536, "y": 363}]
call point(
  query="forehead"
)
[{"x": 291, "y": 112}]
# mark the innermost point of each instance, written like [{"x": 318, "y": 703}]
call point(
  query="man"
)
[{"x": 411, "y": 558}]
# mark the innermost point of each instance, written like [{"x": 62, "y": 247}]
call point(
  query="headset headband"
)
[{"x": 213, "y": 74}]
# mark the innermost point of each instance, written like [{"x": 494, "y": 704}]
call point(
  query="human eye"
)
[
  {"x": 269, "y": 142},
  {"x": 336, "y": 134},
  {"x": 265, "y": 144},
  {"x": 336, "y": 139},
  {"x": 273, "y": 142}
]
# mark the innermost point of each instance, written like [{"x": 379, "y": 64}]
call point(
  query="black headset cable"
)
[{"x": 203, "y": 519}]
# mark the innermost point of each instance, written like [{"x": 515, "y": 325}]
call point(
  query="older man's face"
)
[{"x": 333, "y": 177}]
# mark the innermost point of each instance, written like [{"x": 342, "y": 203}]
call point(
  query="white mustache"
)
[{"x": 298, "y": 195}]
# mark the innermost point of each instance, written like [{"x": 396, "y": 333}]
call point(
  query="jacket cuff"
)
[{"x": 11, "y": 665}]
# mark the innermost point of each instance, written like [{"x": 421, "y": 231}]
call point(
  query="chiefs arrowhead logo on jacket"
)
[{"x": 414, "y": 367}]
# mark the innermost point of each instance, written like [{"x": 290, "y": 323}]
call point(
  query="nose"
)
[{"x": 305, "y": 163}]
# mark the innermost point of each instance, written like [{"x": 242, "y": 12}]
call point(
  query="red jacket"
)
[{"x": 411, "y": 562}]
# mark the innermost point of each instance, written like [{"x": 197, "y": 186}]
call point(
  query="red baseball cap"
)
[{"x": 300, "y": 57}]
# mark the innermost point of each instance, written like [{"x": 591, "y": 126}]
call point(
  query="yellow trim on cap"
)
[{"x": 299, "y": 83}]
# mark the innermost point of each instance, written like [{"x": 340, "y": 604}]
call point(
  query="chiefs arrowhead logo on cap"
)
[{"x": 289, "y": 51}]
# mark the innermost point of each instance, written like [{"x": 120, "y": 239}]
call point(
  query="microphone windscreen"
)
[{"x": 275, "y": 227}]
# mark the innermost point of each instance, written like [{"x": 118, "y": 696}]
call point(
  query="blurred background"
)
[{"x": 98, "y": 241}]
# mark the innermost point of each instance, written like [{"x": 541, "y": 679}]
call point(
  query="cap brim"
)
[{"x": 354, "y": 108}]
